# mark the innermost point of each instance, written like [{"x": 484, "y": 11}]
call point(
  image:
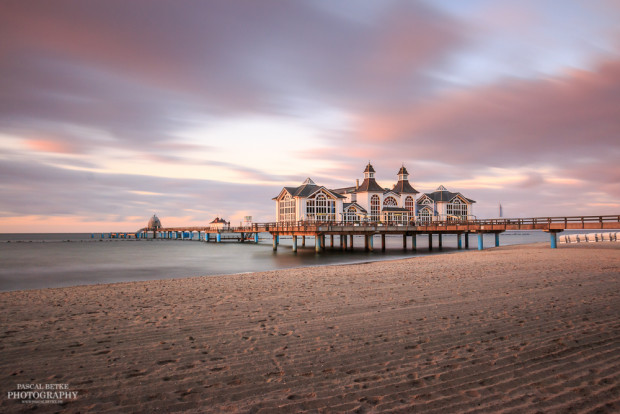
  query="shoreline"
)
[
  {"x": 393, "y": 255},
  {"x": 522, "y": 328}
]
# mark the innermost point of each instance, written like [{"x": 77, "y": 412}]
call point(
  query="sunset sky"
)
[{"x": 113, "y": 110}]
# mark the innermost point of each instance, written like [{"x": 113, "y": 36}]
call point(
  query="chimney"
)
[{"x": 357, "y": 183}]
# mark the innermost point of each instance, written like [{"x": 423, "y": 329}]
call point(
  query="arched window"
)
[
  {"x": 410, "y": 204},
  {"x": 287, "y": 209},
  {"x": 351, "y": 214},
  {"x": 457, "y": 209},
  {"x": 321, "y": 208},
  {"x": 390, "y": 202},
  {"x": 375, "y": 208},
  {"x": 425, "y": 215}
]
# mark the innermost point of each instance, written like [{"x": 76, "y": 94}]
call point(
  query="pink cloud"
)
[
  {"x": 52, "y": 146},
  {"x": 515, "y": 123}
]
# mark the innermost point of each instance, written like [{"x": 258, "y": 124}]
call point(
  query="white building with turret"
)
[{"x": 369, "y": 202}]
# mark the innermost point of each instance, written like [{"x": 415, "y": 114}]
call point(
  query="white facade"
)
[
  {"x": 444, "y": 205},
  {"x": 368, "y": 202}
]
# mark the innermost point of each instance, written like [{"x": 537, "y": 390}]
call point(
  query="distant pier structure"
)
[{"x": 344, "y": 232}]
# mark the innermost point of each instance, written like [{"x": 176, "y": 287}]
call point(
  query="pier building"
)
[
  {"x": 219, "y": 224},
  {"x": 369, "y": 202},
  {"x": 154, "y": 223}
]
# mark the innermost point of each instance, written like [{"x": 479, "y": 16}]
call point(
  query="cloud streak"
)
[{"x": 105, "y": 103}]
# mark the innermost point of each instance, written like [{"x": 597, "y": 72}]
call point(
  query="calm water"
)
[{"x": 32, "y": 261}]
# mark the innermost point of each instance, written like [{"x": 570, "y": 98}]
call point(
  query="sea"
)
[{"x": 50, "y": 260}]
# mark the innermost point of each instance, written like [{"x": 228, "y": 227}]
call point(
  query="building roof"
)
[
  {"x": 441, "y": 194},
  {"x": 307, "y": 188},
  {"x": 394, "y": 209},
  {"x": 357, "y": 206},
  {"x": 154, "y": 223},
  {"x": 402, "y": 170},
  {"x": 403, "y": 187},
  {"x": 369, "y": 168},
  {"x": 344, "y": 190},
  {"x": 219, "y": 221},
  {"x": 369, "y": 185}
]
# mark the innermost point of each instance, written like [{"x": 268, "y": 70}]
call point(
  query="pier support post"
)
[
  {"x": 207, "y": 237},
  {"x": 366, "y": 242},
  {"x": 383, "y": 242},
  {"x": 351, "y": 241},
  {"x": 480, "y": 241},
  {"x": 295, "y": 243},
  {"x": 331, "y": 241},
  {"x": 459, "y": 245},
  {"x": 440, "y": 240},
  {"x": 430, "y": 241},
  {"x": 496, "y": 239},
  {"x": 242, "y": 237},
  {"x": 404, "y": 242},
  {"x": 343, "y": 242},
  {"x": 219, "y": 237},
  {"x": 554, "y": 239},
  {"x": 317, "y": 243},
  {"x": 275, "y": 242},
  {"x": 414, "y": 246},
  {"x": 323, "y": 242},
  {"x": 371, "y": 239},
  {"x": 255, "y": 237},
  {"x": 303, "y": 241},
  {"x": 466, "y": 240}
]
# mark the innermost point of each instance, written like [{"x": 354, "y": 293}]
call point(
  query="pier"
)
[
  {"x": 325, "y": 232},
  {"x": 462, "y": 230}
]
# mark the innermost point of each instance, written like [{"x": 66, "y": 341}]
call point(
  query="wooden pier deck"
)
[{"x": 346, "y": 230}]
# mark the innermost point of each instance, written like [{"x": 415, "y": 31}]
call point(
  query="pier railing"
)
[
  {"x": 566, "y": 222},
  {"x": 497, "y": 224}
]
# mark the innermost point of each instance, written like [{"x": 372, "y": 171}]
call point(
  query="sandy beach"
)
[{"x": 509, "y": 329}]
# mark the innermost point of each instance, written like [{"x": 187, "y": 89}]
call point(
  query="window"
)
[
  {"x": 390, "y": 202},
  {"x": 287, "y": 209},
  {"x": 457, "y": 209},
  {"x": 351, "y": 214},
  {"x": 321, "y": 208},
  {"x": 410, "y": 204},
  {"x": 425, "y": 215},
  {"x": 375, "y": 207}
]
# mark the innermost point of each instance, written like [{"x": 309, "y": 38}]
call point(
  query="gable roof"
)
[
  {"x": 306, "y": 189},
  {"x": 354, "y": 204},
  {"x": 441, "y": 194},
  {"x": 325, "y": 189},
  {"x": 219, "y": 221}
]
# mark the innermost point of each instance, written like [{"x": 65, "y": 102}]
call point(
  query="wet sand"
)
[{"x": 510, "y": 329}]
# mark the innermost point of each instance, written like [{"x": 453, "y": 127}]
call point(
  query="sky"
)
[{"x": 112, "y": 111}]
